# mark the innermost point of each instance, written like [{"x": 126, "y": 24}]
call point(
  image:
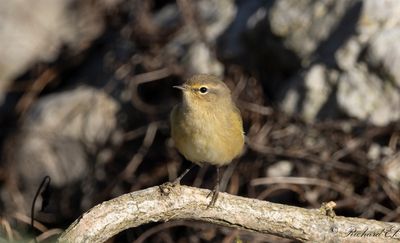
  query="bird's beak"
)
[{"x": 181, "y": 87}]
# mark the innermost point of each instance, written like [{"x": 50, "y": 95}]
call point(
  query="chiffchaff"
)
[{"x": 207, "y": 127}]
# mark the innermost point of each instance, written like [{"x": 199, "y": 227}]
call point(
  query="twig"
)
[
  {"x": 158, "y": 228},
  {"x": 38, "y": 85},
  {"x": 44, "y": 187},
  {"x": 49, "y": 233},
  {"x": 294, "y": 188},
  {"x": 128, "y": 173},
  {"x": 300, "y": 181},
  {"x": 263, "y": 110},
  {"x": 138, "y": 157},
  {"x": 7, "y": 229},
  {"x": 139, "y": 79},
  {"x": 168, "y": 202},
  {"x": 27, "y": 220},
  {"x": 260, "y": 148}
]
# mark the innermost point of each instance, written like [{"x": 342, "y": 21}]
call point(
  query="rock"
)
[
  {"x": 384, "y": 54},
  {"x": 187, "y": 45},
  {"x": 200, "y": 59},
  {"x": 347, "y": 56},
  {"x": 280, "y": 168},
  {"x": 305, "y": 25},
  {"x": 58, "y": 135},
  {"x": 392, "y": 170},
  {"x": 248, "y": 14},
  {"x": 83, "y": 114},
  {"x": 36, "y": 32},
  {"x": 365, "y": 96},
  {"x": 377, "y": 16},
  {"x": 374, "y": 152},
  {"x": 308, "y": 94}
]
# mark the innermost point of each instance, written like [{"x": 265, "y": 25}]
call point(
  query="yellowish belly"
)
[{"x": 214, "y": 142}]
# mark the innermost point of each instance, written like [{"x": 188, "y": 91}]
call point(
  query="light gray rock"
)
[
  {"x": 392, "y": 170},
  {"x": 35, "y": 31},
  {"x": 83, "y": 114},
  {"x": 247, "y": 15},
  {"x": 308, "y": 94},
  {"x": 187, "y": 45},
  {"x": 365, "y": 96},
  {"x": 280, "y": 168},
  {"x": 200, "y": 59},
  {"x": 356, "y": 43},
  {"x": 58, "y": 136},
  {"x": 374, "y": 152},
  {"x": 377, "y": 16},
  {"x": 384, "y": 54},
  {"x": 347, "y": 56},
  {"x": 305, "y": 25}
]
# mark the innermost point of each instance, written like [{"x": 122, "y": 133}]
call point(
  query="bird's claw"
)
[{"x": 214, "y": 197}]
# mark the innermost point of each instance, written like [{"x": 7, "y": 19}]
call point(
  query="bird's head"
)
[{"x": 205, "y": 90}]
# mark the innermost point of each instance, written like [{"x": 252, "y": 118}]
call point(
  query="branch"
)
[{"x": 175, "y": 202}]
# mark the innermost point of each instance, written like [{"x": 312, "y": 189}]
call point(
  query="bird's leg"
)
[
  {"x": 215, "y": 191},
  {"x": 179, "y": 178}
]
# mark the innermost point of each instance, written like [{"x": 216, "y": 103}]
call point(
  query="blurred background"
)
[{"x": 86, "y": 90}]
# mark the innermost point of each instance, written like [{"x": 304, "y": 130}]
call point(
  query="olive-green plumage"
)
[{"x": 207, "y": 126}]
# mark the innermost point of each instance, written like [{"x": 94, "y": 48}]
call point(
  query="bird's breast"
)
[{"x": 207, "y": 137}]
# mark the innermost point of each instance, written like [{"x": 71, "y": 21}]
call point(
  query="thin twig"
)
[
  {"x": 300, "y": 181},
  {"x": 145, "y": 78},
  {"x": 49, "y": 233},
  {"x": 303, "y": 155},
  {"x": 34, "y": 90},
  {"x": 7, "y": 229},
  {"x": 138, "y": 157}
]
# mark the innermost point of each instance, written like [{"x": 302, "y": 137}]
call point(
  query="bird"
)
[{"x": 207, "y": 127}]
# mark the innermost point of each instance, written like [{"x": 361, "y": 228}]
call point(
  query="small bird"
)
[{"x": 207, "y": 127}]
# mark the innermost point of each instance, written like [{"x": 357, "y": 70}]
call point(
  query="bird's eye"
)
[{"x": 203, "y": 90}]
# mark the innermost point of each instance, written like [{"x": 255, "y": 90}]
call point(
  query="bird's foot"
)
[{"x": 214, "y": 197}]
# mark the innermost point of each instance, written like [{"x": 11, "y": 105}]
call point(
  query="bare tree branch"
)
[{"x": 174, "y": 202}]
